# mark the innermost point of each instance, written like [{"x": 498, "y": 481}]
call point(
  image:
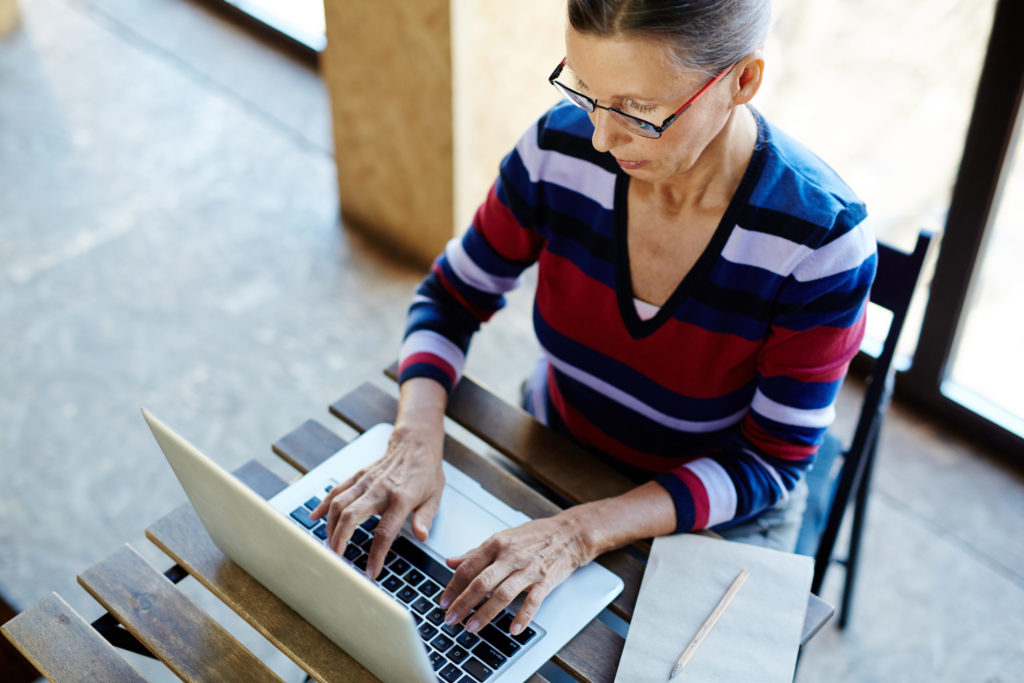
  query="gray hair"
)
[{"x": 705, "y": 36}]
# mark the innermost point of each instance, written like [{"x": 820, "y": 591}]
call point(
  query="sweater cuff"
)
[
  {"x": 686, "y": 512},
  {"x": 422, "y": 368}
]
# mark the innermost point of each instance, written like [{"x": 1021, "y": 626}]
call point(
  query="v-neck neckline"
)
[{"x": 637, "y": 327}]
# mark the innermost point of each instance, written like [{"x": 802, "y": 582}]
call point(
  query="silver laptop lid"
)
[{"x": 339, "y": 601}]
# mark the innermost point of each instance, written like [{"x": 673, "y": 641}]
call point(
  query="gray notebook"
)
[{"x": 756, "y": 638}]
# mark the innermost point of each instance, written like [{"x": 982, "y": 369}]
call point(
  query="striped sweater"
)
[{"x": 724, "y": 395}]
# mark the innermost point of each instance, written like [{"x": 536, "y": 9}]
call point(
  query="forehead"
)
[{"x": 623, "y": 66}]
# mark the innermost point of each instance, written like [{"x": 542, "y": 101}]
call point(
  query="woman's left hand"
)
[{"x": 534, "y": 557}]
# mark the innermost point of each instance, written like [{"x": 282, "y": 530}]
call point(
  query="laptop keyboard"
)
[{"x": 416, "y": 581}]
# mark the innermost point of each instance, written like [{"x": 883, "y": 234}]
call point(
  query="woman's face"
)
[{"x": 638, "y": 76}]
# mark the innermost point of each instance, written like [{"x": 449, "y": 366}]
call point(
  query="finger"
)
[
  {"x": 455, "y": 585},
  {"x": 424, "y": 516},
  {"x": 484, "y": 579},
  {"x": 530, "y": 606},
  {"x": 339, "y": 498},
  {"x": 383, "y": 536},
  {"x": 346, "y": 521},
  {"x": 501, "y": 597}
]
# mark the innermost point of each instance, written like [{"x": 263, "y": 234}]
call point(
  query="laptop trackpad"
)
[{"x": 461, "y": 524}]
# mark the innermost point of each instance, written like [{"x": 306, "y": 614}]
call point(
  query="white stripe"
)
[
  {"x": 569, "y": 172},
  {"x": 770, "y": 252},
  {"x": 773, "y": 473},
  {"x": 431, "y": 342},
  {"x": 639, "y": 406},
  {"x": 472, "y": 274},
  {"x": 720, "y": 489},
  {"x": 538, "y": 390},
  {"x": 841, "y": 254},
  {"x": 422, "y": 299},
  {"x": 800, "y": 417}
]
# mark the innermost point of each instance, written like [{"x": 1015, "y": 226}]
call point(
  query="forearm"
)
[{"x": 604, "y": 525}]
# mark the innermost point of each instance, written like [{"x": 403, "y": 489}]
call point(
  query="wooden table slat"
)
[
  {"x": 367, "y": 405},
  {"x": 181, "y": 535},
  {"x": 308, "y": 445},
  {"x": 64, "y": 647},
  {"x": 184, "y": 637},
  {"x": 557, "y": 463}
]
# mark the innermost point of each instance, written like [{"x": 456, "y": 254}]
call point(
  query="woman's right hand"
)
[{"x": 407, "y": 479}]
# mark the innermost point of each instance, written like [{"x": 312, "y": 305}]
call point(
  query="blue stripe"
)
[
  {"x": 802, "y": 395},
  {"x": 490, "y": 261},
  {"x": 697, "y": 313},
  {"x": 595, "y": 268},
  {"x": 426, "y": 370}
]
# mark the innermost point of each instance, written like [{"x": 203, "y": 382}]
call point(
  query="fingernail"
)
[
  {"x": 445, "y": 601},
  {"x": 516, "y": 629},
  {"x": 473, "y": 626}
]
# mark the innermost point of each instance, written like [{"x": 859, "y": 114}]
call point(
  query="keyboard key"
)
[
  {"x": 321, "y": 532},
  {"x": 436, "y": 616},
  {"x": 437, "y": 660},
  {"x": 352, "y": 552},
  {"x": 399, "y": 566},
  {"x": 359, "y": 537},
  {"x": 407, "y": 594},
  {"x": 301, "y": 515},
  {"x": 504, "y": 644},
  {"x": 428, "y": 588},
  {"x": 489, "y": 655},
  {"x": 390, "y": 557},
  {"x": 361, "y": 561},
  {"x": 504, "y": 624},
  {"x": 441, "y": 643},
  {"x": 392, "y": 583},
  {"x": 312, "y": 503},
  {"x": 414, "y": 577},
  {"x": 328, "y": 488},
  {"x": 370, "y": 524},
  {"x": 422, "y": 561},
  {"x": 476, "y": 669},
  {"x": 452, "y": 629},
  {"x": 450, "y": 673},
  {"x": 427, "y": 631},
  {"x": 421, "y": 605},
  {"x": 457, "y": 654},
  {"x": 467, "y": 639}
]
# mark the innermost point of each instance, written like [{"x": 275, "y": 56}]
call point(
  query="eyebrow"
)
[{"x": 634, "y": 98}]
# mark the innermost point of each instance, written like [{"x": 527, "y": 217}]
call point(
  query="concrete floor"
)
[{"x": 169, "y": 238}]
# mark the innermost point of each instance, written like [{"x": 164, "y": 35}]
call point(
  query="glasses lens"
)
[
  {"x": 635, "y": 125},
  {"x": 574, "y": 97}
]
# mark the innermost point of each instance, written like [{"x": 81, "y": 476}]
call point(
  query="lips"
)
[{"x": 631, "y": 165}]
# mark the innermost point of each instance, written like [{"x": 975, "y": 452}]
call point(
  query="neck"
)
[{"x": 713, "y": 179}]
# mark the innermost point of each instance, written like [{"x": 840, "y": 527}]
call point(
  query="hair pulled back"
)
[{"x": 702, "y": 35}]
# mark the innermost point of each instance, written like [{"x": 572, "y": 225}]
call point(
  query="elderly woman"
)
[{"x": 702, "y": 281}]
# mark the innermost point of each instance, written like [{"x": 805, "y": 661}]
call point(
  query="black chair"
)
[{"x": 829, "y": 490}]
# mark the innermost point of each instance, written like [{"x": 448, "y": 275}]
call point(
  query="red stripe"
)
[
  {"x": 704, "y": 364},
  {"x": 586, "y": 432},
  {"x": 477, "y": 312},
  {"x": 701, "y": 505},
  {"x": 820, "y": 354},
  {"x": 499, "y": 226},
  {"x": 773, "y": 445},
  {"x": 432, "y": 359}
]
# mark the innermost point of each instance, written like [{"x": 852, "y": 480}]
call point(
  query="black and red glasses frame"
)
[{"x": 631, "y": 123}]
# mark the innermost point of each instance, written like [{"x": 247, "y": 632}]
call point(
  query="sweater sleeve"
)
[
  {"x": 467, "y": 282},
  {"x": 816, "y": 331}
]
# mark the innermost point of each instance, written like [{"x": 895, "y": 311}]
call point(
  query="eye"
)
[{"x": 640, "y": 108}]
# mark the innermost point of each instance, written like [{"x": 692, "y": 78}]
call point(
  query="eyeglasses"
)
[{"x": 631, "y": 123}]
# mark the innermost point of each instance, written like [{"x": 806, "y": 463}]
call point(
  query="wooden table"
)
[{"x": 148, "y": 613}]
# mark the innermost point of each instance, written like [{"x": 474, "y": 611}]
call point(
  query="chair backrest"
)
[{"x": 895, "y": 281}]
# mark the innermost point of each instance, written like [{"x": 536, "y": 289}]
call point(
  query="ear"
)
[{"x": 750, "y": 71}]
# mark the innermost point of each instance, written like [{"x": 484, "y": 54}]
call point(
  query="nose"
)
[{"x": 607, "y": 133}]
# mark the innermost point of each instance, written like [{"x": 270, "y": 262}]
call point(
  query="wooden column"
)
[{"x": 427, "y": 97}]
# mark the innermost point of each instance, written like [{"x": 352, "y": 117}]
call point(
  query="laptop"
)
[{"x": 392, "y": 625}]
